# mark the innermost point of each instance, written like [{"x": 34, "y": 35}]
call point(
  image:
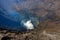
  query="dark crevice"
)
[{"x": 6, "y": 38}]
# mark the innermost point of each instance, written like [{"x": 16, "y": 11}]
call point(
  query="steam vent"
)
[{"x": 29, "y": 19}]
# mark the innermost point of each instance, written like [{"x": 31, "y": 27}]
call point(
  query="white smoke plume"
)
[{"x": 28, "y": 24}]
